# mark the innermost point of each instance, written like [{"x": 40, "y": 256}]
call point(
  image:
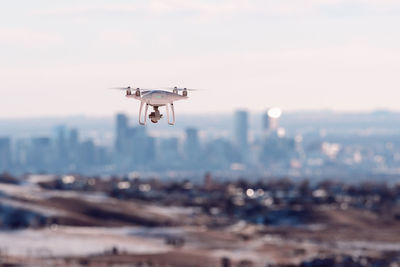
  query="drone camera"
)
[{"x": 155, "y": 116}]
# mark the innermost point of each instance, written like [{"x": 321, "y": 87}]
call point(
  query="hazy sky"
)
[{"x": 59, "y": 57}]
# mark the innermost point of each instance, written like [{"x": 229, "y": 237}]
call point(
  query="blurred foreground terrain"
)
[{"x": 50, "y": 220}]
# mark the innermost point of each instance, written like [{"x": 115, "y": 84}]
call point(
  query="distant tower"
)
[
  {"x": 169, "y": 148},
  {"x": 265, "y": 122},
  {"x": 241, "y": 130},
  {"x": 73, "y": 138},
  {"x": 121, "y": 132},
  {"x": 5, "y": 154},
  {"x": 60, "y": 133},
  {"x": 88, "y": 153},
  {"x": 274, "y": 115},
  {"x": 192, "y": 146},
  {"x": 40, "y": 157},
  {"x": 73, "y": 146}
]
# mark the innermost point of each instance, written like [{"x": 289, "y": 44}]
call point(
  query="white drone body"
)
[{"x": 157, "y": 98}]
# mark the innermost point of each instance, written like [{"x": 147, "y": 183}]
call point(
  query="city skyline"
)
[
  {"x": 268, "y": 148},
  {"x": 59, "y": 58}
]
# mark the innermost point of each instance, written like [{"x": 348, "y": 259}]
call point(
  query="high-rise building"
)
[
  {"x": 265, "y": 122},
  {"x": 21, "y": 151},
  {"x": 150, "y": 148},
  {"x": 192, "y": 145},
  {"x": 87, "y": 154},
  {"x": 138, "y": 145},
  {"x": 274, "y": 115},
  {"x": 133, "y": 147},
  {"x": 168, "y": 156},
  {"x": 5, "y": 154},
  {"x": 41, "y": 155},
  {"x": 169, "y": 148},
  {"x": 60, "y": 133},
  {"x": 270, "y": 120},
  {"x": 73, "y": 147},
  {"x": 73, "y": 138},
  {"x": 219, "y": 154},
  {"x": 241, "y": 130},
  {"x": 121, "y": 133}
]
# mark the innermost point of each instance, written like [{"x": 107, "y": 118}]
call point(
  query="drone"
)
[{"x": 156, "y": 98}]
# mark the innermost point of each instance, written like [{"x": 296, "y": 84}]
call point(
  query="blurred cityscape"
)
[
  {"x": 305, "y": 145},
  {"x": 271, "y": 189}
]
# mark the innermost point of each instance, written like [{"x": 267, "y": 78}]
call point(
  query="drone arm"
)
[{"x": 145, "y": 113}]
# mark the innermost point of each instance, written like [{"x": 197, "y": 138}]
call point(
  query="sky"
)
[{"x": 58, "y": 58}]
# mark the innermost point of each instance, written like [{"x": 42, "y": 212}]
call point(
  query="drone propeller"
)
[
  {"x": 182, "y": 89},
  {"x": 121, "y": 88},
  {"x": 129, "y": 88},
  {"x": 159, "y": 88}
]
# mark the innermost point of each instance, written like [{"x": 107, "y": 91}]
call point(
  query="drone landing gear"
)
[
  {"x": 173, "y": 114},
  {"x": 145, "y": 113},
  {"x": 155, "y": 116}
]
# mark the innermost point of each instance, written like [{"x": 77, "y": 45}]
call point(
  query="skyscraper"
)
[
  {"x": 270, "y": 120},
  {"x": 73, "y": 146},
  {"x": 192, "y": 146},
  {"x": 273, "y": 115},
  {"x": 41, "y": 156},
  {"x": 139, "y": 146},
  {"x": 241, "y": 130},
  {"x": 169, "y": 148},
  {"x": 73, "y": 138},
  {"x": 5, "y": 154},
  {"x": 121, "y": 133},
  {"x": 265, "y": 122},
  {"x": 60, "y": 134},
  {"x": 87, "y": 154}
]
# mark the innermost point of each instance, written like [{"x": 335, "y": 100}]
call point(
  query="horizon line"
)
[{"x": 224, "y": 113}]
